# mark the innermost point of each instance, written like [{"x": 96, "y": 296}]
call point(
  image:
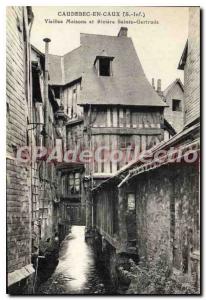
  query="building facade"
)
[
  {"x": 109, "y": 103},
  {"x": 175, "y": 112},
  {"x": 190, "y": 63},
  {"x": 34, "y": 211},
  {"x": 19, "y": 234},
  {"x": 47, "y": 211},
  {"x": 173, "y": 96},
  {"x": 155, "y": 209}
]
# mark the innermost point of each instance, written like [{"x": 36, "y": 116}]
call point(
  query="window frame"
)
[
  {"x": 76, "y": 182},
  {"x": 174, "y": 104},
  {"x": 133, "y": 209},
  {"x": 108, "y": 61}
]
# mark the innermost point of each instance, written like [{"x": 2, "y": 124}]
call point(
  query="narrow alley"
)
[
  {"x": 76, "y": 272},
  {"x": 102, "y": 156}
]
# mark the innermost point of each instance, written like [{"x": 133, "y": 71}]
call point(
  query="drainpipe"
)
[
  {"x": 46, "y": 90},
  {"x": 121, "y": 214}
]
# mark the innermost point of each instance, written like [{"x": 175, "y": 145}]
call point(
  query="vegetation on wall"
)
[{"x": 158, "y": 279}]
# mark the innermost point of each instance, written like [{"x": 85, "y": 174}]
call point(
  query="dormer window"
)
[
  {"x": 104, "y": 67},
  {"x": 103, "y": 64}
]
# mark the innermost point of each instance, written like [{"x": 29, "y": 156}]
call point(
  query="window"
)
[
  {"x": 77, "y": 182},
  {"x": 131, "y": 201},
  {"x": 74, "y": 103},
  {"x": 74, "y": 183},
  {"x": 176, "y": 105},
  {"x": 71, "y": 182},
  {"x": 104, "y": 67}
]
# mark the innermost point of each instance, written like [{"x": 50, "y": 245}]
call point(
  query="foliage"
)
[{"x": 157, "y": 279}]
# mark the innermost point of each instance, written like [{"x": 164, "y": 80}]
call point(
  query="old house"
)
[
  {"x": 161, "y": 195},
  {"x": 34, "y": 210},
  {"x": 110, "y": 106},
  {"x": 48, "y": 213},
  {"x": 174, "y": 112},
  {"x": 174, "y": 97},
  {"x": 74, "y": 176},
  {"x": 19, "y": 268}
]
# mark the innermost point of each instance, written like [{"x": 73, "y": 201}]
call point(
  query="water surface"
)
[{"x": 77, "y": 271}]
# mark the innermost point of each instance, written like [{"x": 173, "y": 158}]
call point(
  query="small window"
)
[
  {"x": 104, "y": 67},
  {"x": 176, "y": 105},
  {"x": 131, "y": 202},
  {"x": 74, "y": 183}
]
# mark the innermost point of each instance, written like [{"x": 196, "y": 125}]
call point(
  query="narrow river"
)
[{"x": 76, "y": 272}]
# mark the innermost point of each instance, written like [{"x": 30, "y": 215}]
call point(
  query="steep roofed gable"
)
[{"x": 127, "y": 84}]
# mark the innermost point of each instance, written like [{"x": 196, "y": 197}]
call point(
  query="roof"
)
[
  {"x": 55, "y": 69},
  {"x": 127, "y": 86},
  {"x": 169, "y": 127},
  {"x": 73, "y": 65},
  {"x": 183, "y": 58},
  {"x": 168, "y": 89},
  {"x": 37, "y": 51}
]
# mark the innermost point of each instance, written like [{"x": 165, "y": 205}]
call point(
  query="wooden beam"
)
[
  {"x": 135, "y": 131},
  {"x": 109, "y": 117},
  {"x": 121, "y": 117},
  {"x": 115, "y": 117},
  {"x": 112, "y": 241}
]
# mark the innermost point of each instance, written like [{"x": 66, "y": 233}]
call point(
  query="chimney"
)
[
  {"x": 153, "y": 83},
  {"x": 123, "y": 31},
  {"x": 46, "y": 89},
  {"x": 159, "y": 85}
]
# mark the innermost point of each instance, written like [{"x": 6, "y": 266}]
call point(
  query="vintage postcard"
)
[{"x": 103, "y": 150}]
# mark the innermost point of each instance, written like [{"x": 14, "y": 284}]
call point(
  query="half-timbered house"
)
[{"x": 103, "y": 83}]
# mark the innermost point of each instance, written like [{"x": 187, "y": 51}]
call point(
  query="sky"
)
[{"x": 159, "y": 46}]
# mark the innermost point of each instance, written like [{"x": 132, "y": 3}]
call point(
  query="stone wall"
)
[
  {"x": 153, "y": 195},
  {"x": 167, "y": 213}
]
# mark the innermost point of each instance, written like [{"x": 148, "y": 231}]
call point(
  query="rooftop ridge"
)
[
  {"x": 72, "y": 50},
  {"x": 170, "y": 86},
  {"x": 56, "y": 55},
  {"x": 110, "y": 36}
]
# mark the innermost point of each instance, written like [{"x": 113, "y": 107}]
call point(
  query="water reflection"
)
[
  {"x": 76, "y": 261},
  {"x": 76, "y": 272}
]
